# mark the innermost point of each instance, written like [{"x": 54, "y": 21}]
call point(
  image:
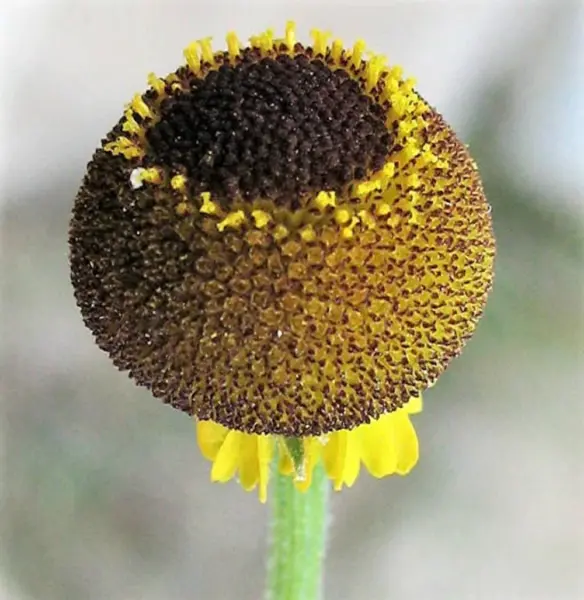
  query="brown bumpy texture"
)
[
  {"x": 272, "y": 333},
  {"x": 276, "y": 128}
]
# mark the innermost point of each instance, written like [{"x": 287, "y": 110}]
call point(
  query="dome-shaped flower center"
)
[
  {"x": 282, "y": 239},
  {"x": 278, "y": 128}
]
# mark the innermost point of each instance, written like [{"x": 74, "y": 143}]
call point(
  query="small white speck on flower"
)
[
  {"x": 279, "y": 333},
  {"x": 136, "y": 178}
]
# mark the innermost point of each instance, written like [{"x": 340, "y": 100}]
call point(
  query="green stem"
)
[{"x": 297, "y": 544}]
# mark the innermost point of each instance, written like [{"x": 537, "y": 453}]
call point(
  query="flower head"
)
[{"x": 288, "y": 241}]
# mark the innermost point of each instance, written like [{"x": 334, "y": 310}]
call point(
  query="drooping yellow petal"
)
[
  {"x": 265, "y": 452},
  {"x": 234, "y": 452},
  {"x": 248, "y": 464},
  {"x": 378, "y": 451},
  {"x": 414, "y": 405},
  {"x": 386, "y": 445},
  {"x": 352, "y": 462},
  {"x": 406, "y": 443},
  {"x": 341, "y": 458},
  {"x": 227, "y": 459},
  {"x": 210, "y": 436},
  {"x": 333, "y": 454}
]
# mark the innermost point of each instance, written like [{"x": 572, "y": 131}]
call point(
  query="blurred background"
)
[{"x": 104, "y": 493}]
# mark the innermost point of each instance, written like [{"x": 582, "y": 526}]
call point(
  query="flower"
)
[
  {"x": 288, "y": 243},
  {"x": 386, "y": 445}
]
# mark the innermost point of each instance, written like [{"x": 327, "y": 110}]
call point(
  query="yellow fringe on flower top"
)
[{"x": 386, "y": 446}]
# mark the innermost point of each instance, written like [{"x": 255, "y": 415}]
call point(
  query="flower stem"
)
[{"x": 297, "y": 545}]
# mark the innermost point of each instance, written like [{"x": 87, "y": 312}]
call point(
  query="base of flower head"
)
[{"x": 386, "y": 446}]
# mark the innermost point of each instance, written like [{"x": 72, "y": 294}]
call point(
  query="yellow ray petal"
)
[
  {"x": 210, "y": 436},
  {"x": 406, "y": 443},
  {"x": 352, "y": 461},
  {"x": 341, "y": 458},
  {"x": 227, "y": 458},
  {"x": 333, "y": 455},
  {"x": 387, "y": 445},
  {"x": 414, "y": 405},
  {"x": 248, "y": 461},
  {"x": 265, "y": 452},
  {"x": 377, "y": 446}
]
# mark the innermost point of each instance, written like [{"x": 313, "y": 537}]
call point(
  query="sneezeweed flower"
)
[{"x": 288, "y": 243}]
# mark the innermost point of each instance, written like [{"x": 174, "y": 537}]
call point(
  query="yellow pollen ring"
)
[
  {"x": 405, "y": 128},
  {"x": 130, "y": 124},
  {"x": 358, "y": 50},
  {"x": 151, "y": 175},
  {"x": 232, "y": 44},
  {"x": 389, "y": 170},
  {"x": 125, "y": 146},
  {"x": 397, "y": 72},
  {"x": 342, "y": 216},
  {"x": 261, "y": 218},
  {"x": 206, "y": 49},
  {"x": 410, "y": 150},
  {"x": 139, "y": 106},
  {"x": 408, "y": 85},
  {"x": 263, "y": 41},
  {"x": 324, "y": 199},
  {"x": 427, "y": 157},
  {"x": 191, "y": 54},
  {"x": 393, "y": 221},
  {"x": 347, "y": 232},
  {"x": 413, "y": 181},
  {"x": 178, "y": 182},
  {"x": 320, "y": 40},
  {"x": 337, "y": 50},
  {"x": 391, "y": 82},
  {"x": 156, "y": 84},
  {"x": 208, "y": 207},
  {"x": 375, "y": 66},
  {"x": 367, "y": 218},
  {"x": 308, "y": 234},
  {"x": 280, "y": 232},
  {"x": 267, "y": 40},
  {"x": 415, "y": 217},
  {"x": 366, "y": 187},
  {"x": 290, "y": 38},
  {"x": 399, "y": 104},
  {"x": 172, "y": 78},
  {"x": 233, "y": 219},
  {"x": 383, "y": 209}
]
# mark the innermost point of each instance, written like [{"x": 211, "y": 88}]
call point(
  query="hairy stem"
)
[{"x": 297, "y": 544}]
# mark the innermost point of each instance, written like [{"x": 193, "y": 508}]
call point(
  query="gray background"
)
[{"x": 104, "y": 493}]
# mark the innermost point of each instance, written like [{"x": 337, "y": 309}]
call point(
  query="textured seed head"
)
[
  {"x": 278, "y": 127},
  {"x": 282, "y": 239}
]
